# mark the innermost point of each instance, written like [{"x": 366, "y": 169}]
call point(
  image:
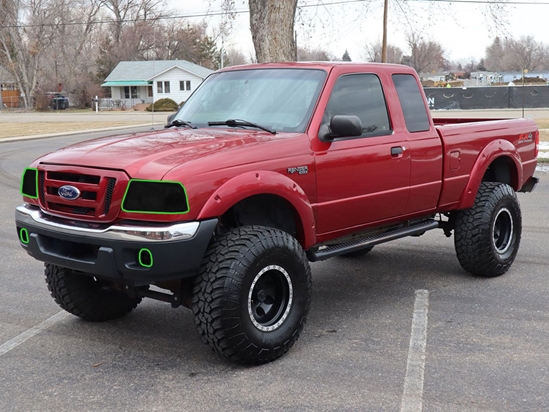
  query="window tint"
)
[
  {"x": 360, "y": 95},
  {"x": 411, "y": 100},
  {"x": 282, "y": 99}
]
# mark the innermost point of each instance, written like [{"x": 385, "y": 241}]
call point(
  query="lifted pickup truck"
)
[{"x": 265, "y": 168}]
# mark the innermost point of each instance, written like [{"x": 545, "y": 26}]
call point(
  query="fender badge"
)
[
  {"x": 301, "y": 170},
  {"x": 68, "y": 192}
]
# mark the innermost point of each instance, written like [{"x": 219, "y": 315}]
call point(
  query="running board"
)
[{"x": 368, "y": 241}]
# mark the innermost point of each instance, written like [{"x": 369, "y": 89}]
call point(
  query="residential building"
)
[{"x": 133, "y": 82}]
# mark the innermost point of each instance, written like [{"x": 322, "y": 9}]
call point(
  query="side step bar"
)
[{"x": 364, "y": 242}]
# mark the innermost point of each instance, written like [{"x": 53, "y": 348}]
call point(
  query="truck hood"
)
[{"x": 152, "y": 154}]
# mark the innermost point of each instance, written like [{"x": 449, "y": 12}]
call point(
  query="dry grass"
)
[{"x": 16, "y": 129}]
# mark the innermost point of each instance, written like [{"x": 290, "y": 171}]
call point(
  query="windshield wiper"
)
[
  {"x": 238, "y": 122},
  {"x": 179, "y": 123}
]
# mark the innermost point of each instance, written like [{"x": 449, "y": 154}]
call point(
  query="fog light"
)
[
  {"x": 24, "y": 236},
  {"x": 145, "y": 258}
]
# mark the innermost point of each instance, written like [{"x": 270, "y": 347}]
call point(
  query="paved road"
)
[{"x": 486, "y": 339}]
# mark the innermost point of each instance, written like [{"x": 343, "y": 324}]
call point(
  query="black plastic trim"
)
[{"x": 119, "y": 259}]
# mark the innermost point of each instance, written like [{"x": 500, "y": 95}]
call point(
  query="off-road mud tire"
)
[
  {"x": 84, "y": 296},
  {"x": 253, "y": 294},
  {"x": 487, "y": 236}
]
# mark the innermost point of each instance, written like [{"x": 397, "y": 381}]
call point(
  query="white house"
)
[{"x": 134, "y": 82}]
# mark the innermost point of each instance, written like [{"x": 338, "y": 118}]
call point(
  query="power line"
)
[{"x": 243, "y": 11}]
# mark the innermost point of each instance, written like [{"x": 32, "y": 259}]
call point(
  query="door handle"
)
[{"x": 397, "y": 150}]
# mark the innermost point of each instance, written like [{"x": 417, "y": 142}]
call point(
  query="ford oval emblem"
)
[{"x": 69, "y": 192}]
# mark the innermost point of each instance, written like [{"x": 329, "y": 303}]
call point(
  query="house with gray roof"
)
[{"x": 134, "y": 82}]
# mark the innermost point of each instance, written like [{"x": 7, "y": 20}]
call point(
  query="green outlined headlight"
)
[
  {"x": 29, "y": 183},
  {"x": 155, "y": 196}
]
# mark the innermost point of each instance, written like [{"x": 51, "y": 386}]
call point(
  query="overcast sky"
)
[{"x": 462, "y": 28}]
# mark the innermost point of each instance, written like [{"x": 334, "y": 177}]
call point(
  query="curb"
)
[{"x": 73, "y": 132}]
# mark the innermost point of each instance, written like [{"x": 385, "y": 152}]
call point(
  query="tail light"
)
[{"x": 536, "y": 138}]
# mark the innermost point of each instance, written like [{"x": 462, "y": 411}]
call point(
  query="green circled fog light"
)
[
  {"x": 24, "y": 236},
  {"x": 145, "y": 258}
]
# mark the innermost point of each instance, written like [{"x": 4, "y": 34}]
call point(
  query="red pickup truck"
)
[{"x": 265, "y": 168}]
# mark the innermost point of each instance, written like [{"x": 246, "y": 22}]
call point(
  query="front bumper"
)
[{"x": 129, "y": 253}]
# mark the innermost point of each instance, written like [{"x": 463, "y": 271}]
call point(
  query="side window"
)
[
  {"x": 360, "y": 95},
  {"x": 411, "y": 100}
]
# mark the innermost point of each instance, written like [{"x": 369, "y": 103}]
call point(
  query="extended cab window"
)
[
  {"x": 360, "y": 95},
  {"x": 411, "y": 100}
]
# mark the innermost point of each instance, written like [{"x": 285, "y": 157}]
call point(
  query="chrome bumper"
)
[{"x": 180, "y": 231}]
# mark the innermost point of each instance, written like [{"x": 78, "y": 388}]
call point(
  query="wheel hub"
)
[
  {"x": 502, "y": 231},
  {"x": 270, "y": 298}
]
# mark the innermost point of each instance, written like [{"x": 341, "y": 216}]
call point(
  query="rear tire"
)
[
  {"x": 487, "y": 236},
  {"x": 85, "y": 296},
  {"x": 253, "y": 294}
]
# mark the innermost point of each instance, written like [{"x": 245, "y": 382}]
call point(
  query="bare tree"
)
[
  {"x": 516, "y": 55},
  {"x": 426, "y": 55},
  {"x": 124, "y": 12},
  {"x": 28, "y": 29},
  {"x": 235, "y": 58},
  {"x": 306, "y": 54},
  {"x": 67, "y": 60},
  {"x": 373, "y": 53},
  {"x": 527, "y": 53}
]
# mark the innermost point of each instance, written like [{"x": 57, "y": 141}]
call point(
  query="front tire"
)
[
  {"x": 487, "y": 236},
  {"x": 253, "y": 294},
  {"x": 85, "y": 296}
]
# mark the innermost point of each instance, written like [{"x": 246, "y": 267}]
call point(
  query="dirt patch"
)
[{"x": 39, "y": 128}]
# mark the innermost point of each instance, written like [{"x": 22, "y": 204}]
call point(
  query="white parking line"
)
[
  {"x": 22, "y": 337},
  {"x": 412, "y": 398}
]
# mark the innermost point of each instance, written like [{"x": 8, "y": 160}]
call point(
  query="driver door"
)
[{"x": 361, "y": 180}]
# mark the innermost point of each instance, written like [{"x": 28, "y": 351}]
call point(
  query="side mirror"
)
[{"x": 340, "y": 126}]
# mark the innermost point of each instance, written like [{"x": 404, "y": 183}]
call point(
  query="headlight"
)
[
  {"x": 29, "y": 183},
  {"x": 152, "y": 196}
]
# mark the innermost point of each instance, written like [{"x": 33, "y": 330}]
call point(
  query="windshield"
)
[{"x": 278, "y": 99}]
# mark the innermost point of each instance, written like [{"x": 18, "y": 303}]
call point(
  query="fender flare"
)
[
  {"x": 262, "y": 182},
  {"x": 492, "y": 151}
]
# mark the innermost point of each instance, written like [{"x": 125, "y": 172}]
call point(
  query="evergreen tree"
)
[{"x": 346, "y": 57}]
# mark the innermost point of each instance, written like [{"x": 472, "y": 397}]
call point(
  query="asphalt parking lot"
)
[{"x": 403, "y": 328}]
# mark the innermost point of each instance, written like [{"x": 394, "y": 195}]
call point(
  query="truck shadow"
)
[{"x": 372, "y": 292}]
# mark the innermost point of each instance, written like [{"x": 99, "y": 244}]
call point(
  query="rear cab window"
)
[{"x": 412, "y": 103}]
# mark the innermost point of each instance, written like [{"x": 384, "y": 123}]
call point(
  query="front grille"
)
[
  {"x": 41, "y": 178},
  {"x": 108, "y": 196},
  {"x": 95, "y": 192}
]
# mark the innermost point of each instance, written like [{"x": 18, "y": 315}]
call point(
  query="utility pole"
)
[{"x": 384, "y": 40}]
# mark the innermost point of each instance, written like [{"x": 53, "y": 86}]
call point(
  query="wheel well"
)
[
  {"x": 265, "y": 210},
  {"x": 501, "y": 170}
]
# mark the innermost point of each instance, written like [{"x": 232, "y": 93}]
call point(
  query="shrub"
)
[{"x": 163, "y": 105}]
